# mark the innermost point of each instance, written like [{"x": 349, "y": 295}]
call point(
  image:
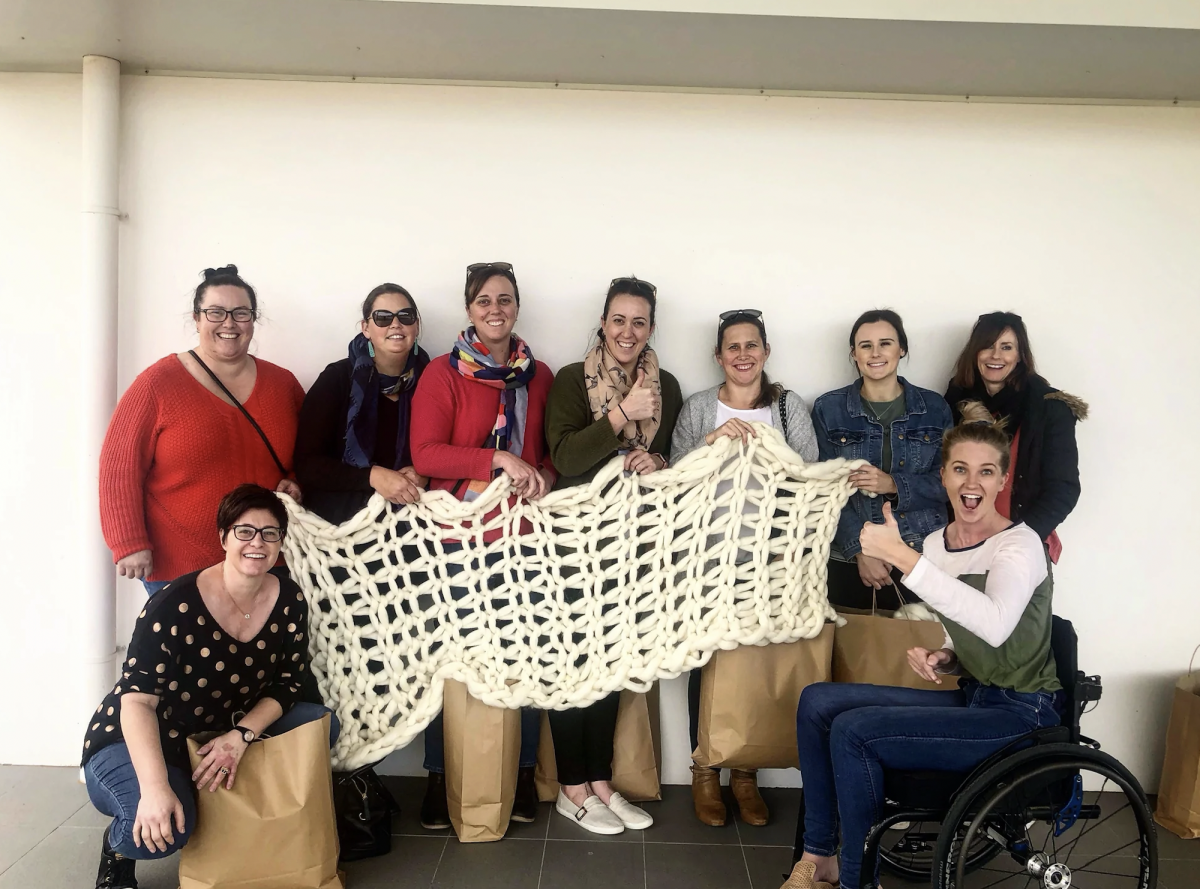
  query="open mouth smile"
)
[{"x": 971, "y": 502}]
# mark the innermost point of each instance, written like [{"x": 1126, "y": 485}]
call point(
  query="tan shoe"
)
[
  {"x": 706, "y": 796},
  {"x": 801, "y": 876},
  {"x": 744, "y": 784}
]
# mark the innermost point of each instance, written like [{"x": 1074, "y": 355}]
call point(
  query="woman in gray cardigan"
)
[{"x": 747, "y": 395}]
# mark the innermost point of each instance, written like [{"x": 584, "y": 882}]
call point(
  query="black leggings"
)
[
  {"x": 846, "y": 589},
  {"x": 583, "y": 741}
]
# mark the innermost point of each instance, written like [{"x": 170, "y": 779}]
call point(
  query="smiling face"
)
[
  {"x": 973, "y": 478},
  {"x": 494, "y": 311},
  {"x": 627, "y": 327},
  {"x": 396, "y": 339},
  {"x": 997, "y": 363},
  {"x": 226, "y": 340},
  {"x": 743, "y": 354},
  {"x": 256, "y": 557},
  {"x": 877, "y": 351}
]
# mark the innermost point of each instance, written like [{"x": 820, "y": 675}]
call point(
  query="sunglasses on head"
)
[
  {"x": 494, "y": 266},
  {"x": 635, "y": 284},
  {"x": 383, "y": 318},
  {"x": 740, "y": 313}
]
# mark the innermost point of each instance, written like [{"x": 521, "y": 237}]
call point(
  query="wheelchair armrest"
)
[{"x": 1087, "y": 688}]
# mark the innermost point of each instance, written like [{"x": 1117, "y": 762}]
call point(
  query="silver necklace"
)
[{"x": 245, "y": 615}]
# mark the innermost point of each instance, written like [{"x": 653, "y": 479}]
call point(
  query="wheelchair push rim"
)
[{"x": 1054, "y": 839}]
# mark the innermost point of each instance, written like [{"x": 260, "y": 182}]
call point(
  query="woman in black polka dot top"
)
[{"x": 222, "y": 649}]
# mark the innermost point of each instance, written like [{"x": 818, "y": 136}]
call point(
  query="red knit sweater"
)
[
  {"x": 174, "y": 449},
  {"x": 451, "y": 417}
]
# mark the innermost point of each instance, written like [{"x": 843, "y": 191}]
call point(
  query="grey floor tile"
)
[
  {"x": 1171, "y": 846},
  {"x": 695, "y": 867},
  {"x": 675, "y": 820},
  {"x": 410, "y": 792},
  {"x": 784, "y": 805},
  {"x": 15, "y": 842},
  {"x": 592, "y": 866},
  {"x": 769, "y": 865},
  {"x": 1178, "y": 874},
  {"x": 410, "y": 865},
  {"x": 87, "y": 816},
  {"x": 508, "y": 864},
  {"x": 69, "y": 857},
  {"x": 41, "y": 798}
]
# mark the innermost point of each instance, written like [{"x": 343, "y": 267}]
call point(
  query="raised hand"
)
[{"x": 643, "y": 400}]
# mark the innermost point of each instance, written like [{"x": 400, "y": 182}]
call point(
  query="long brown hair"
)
[
  {"x": 983, "y": 336},
  {"x": 978, "y": 425},
  {"x": 768, "y": 392}
]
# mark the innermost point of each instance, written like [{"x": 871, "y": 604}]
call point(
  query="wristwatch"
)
[{"x": 248, "y": 734}]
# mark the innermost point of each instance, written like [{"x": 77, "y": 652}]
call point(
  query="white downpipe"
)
[{"x": 97, "y": 371}]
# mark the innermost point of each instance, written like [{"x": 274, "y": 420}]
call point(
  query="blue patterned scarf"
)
[{"x": 367, "y": 386}]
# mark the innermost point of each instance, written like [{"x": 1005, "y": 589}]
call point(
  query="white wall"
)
[{"x": 1083, "y": 219}]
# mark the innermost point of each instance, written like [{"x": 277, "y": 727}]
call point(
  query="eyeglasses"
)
[
  {"x": 217, "y": 314},
  {"x": 270, "y": 534},
  {"x": 383, "y": 318},
  {"x": 634, "y": 283},
  {"x": 496, "y": 266},
  {"x": 740, "y": 313}
]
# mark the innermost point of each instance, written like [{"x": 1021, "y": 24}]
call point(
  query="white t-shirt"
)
[{"x": 760, "y": 415}]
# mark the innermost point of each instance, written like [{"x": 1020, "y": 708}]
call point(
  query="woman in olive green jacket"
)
[{"x": 616, "y": 401}]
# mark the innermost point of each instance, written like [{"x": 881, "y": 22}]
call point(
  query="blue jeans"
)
[
  {"x": 531, "y": 719},
  {"x": 847, "y": 734},
  {"x": 113, "y": 787},
  {"x": 153, "y": 586}
]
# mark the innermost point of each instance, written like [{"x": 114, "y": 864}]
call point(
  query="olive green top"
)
[{"x": 578, "y": 444}]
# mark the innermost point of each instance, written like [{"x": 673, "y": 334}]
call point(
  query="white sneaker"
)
[
  {"x": 631, "y": 816},
  {"x": 593, "y": 815}
]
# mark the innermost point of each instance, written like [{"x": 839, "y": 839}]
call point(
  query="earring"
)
[{"x": 370, "y": 348}]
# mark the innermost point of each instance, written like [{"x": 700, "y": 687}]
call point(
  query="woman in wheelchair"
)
[{"x": 987, "y": 579}]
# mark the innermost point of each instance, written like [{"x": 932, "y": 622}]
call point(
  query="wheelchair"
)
[{"x": 1048, "y": 811}]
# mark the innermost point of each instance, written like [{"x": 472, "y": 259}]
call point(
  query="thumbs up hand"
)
[
  {"x": 882, "y": 541},
  {"x": 643, "y": 400}
]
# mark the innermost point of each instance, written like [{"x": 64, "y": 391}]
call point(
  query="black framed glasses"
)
[
  {"x": 635, "y": 284},
  {"x": 494, "y": 266},
  {"x": 270, "y": 534},
  {"x": 740, "y": 313},
  {"x": 217, "y": 314},
  {"x": 384, "y": 318}
]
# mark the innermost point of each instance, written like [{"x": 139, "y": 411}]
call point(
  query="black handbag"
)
[{"x": 364, "y": 808}]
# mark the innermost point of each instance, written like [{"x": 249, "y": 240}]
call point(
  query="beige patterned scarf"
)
[{"x": 607, "y": 384}]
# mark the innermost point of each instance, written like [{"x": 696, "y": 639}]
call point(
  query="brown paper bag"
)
[
  {"x": 748, "y": 700},
  {"x": 872, "y": 648},
  {"x": 1179, "y": 788},
  {"x": 637, "y": 751},
  {"x": 483, "y": 747},
  {"x": 275, "y": 829}
]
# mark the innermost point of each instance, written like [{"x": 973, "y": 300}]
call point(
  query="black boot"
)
[
  {"x": 525, "y": 805},
  {"x": 116, "y": 871},
  {"x": 435, "y": 815}
]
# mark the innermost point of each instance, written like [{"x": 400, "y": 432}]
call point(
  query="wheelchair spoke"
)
[
  {"x": 1106, "y": 854},
  {"x": 1008, "y": 875}
]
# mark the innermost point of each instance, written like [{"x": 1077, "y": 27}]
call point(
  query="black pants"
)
[
  {"x": 846, "y": 589},
  {"x": 583, "y": 741}
]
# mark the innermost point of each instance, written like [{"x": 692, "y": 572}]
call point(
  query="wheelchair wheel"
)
[
  {"x": 910, "y": 853},
  {"x": 1048, "y": 832}
]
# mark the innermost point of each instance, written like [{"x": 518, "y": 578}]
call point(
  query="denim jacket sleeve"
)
[{"x": 849, "y": 523}]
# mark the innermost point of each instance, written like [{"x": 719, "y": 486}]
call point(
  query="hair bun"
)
[
  {"x": 223, "y": 270},
  {"x": 974, "y": 412}
]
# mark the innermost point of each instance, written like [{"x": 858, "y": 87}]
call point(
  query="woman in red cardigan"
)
[
  {"x": 477, "y": 412},
  {"x": 178, "y": 442}
]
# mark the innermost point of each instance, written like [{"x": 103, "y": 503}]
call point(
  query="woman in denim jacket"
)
[{"x": 895, "y": 426}]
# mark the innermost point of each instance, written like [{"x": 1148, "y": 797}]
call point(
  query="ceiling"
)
[{"x": 492, "y": 41}]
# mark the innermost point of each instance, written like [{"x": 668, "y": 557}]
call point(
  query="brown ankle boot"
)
[
  {"x": 706, "y": 796},
  {"x": 744, "y": 784}
]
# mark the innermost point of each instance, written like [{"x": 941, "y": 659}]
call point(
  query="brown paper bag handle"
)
[{"x": 1192, "y": 662}]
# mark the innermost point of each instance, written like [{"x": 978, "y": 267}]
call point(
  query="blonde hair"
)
[{"x": 978, "y": 425}]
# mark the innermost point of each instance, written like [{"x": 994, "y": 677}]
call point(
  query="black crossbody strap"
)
[
  {"x": 240, "y": 407},
  {"x": 783, "y": 412}
]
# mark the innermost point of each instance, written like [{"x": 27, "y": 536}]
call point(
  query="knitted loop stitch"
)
[{"x": 621, "y": 582}]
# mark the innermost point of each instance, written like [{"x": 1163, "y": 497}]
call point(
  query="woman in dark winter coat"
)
[{"x": 997, "y": 367}]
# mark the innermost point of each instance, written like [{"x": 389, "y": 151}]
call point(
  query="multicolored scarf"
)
[
  {"x": 472, "y": 359},
  {"x": 367, "y": 386},
  {"x": 607, "y": 385}
]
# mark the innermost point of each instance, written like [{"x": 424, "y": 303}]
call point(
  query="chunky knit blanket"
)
[{"x": 612, "y": 585}]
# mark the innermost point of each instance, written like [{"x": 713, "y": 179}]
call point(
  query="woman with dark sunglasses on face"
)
[
  {"x": 726, "y": 410},
  {"x": 617, "y": 401},
  {"x": 352, "y": 439}
]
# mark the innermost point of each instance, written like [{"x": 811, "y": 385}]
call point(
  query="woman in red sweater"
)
[
  {"x": 178, "y": 440},
  {"x": 477, "y": 412}
]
